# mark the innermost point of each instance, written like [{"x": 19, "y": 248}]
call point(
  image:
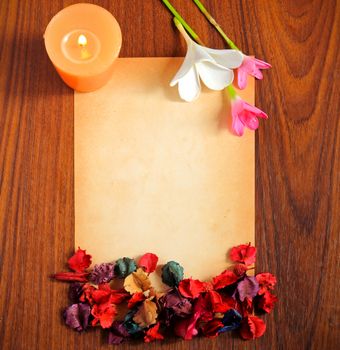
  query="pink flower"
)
[
  {"x": 250, "y": 66},
  {"x": 245, "y": 115}
]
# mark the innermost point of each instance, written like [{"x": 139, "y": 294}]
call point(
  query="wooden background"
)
[{"x": 297, "y": 165}]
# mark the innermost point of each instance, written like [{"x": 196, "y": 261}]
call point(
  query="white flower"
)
[{"x": 214, "y": 67}]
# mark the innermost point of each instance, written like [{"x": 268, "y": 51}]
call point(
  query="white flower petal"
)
[
  {"x": 214, "y": 76},
  {"x": 187, "y": 64},
  {"x": 226, "y": 58},
  {"x": 189, "y": 86},
  {"x": 196, "y": 53}
]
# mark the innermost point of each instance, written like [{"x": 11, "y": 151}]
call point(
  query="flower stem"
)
[
  {"x": 215, "y": 24},
  {"x": 232, "y": 92},
  {"x": 183, "y": 22}
]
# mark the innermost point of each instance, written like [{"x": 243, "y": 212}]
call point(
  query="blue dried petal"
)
[
  {"x": 172, "y": 273},
  {"x": 129, "y": 324},
  {"x": 124, "y": 267},
  {"x": 231, "y": 320}
]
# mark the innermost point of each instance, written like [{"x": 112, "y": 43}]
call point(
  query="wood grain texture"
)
[{"x": 297, "y": 165}]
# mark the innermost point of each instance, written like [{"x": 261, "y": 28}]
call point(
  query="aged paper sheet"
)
[{"x": 155, "y": 174}]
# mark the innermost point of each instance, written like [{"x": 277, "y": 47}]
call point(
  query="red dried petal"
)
[
  {"x": 208, "y": 286},
  {"x": 219, "y": 304},
  {"x": 153, "y": 334},
  {"x": 203, "y": 308},
  {"x": 211, "y": 328},
  {"x": 135, "y": 299},
  {"x": 190, "y": 288},
  {"x": 252, "y": 327},
  {"x": 87, "y": 293},
  {"x": 118, "y": 296},
  {"x": 244, "y": 253},
  {"x": 240, "y": 269},
  {"x": 71, "y": 276},
  {"x": 186, "y": 328},
  {"x": 245, "y": 307},
  {"x": 266, "y": 302},
  {"x": 104, "y": 314},
  {"x": 105, "y": 294},
  {"x": 266, "y": 281},
  {"x": 226, "y": 278},
  {"x": 102, "y": 294},
  {"x": 148, "y": 262},
  {"x": 79, "y": 261}
]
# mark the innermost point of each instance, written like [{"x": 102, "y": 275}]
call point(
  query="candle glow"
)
[{"x": 82, "y": 40}]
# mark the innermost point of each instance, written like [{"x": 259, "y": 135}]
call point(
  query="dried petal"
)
[
  {"x": 118, "y": 333},
  {"x": 240, "y": 269},
  {"x": 148, "y": 262},
  {"x": 118, "y": 296},
  {"x": 77, "y": 316},
  {"x": 146, "y": 314},
  {"x": 71, "y": 276},
  {"x": 231, "y": 321},
  {"x": 124, "y": 267},
  {"x": 266, "y": 280},
  {"x": 80, "y": 261},
  {"x": 226, "y": 278},
  {"x": 88, "y": 289},
  {"x": 248, "y": 288},
  {"x": 176, "y": 303},
  {"x": 153, "y": 334},
  {"x": 129, "y": 324},
  {"x": 75, "y": 292},
  {"x": 244, "y": 253},
  {"x": 135, "y": 299},
  {"x": 102, "y": 294},
  {"x": 203, "y": 308},
  {"x": 105, "y": 294},
  {"x": 102, "y": 273},
  {"x": 190, "y": 288},
  {"x": 252, "y": 327},
  {"x": 218, "y": 304},
  {"x": 186, "y": 328},
  {"x": 104, "y": 314},
  {"x": 266, "y": 302},
  {"x": 211, "y": 328},
  {"x": 246, "y": 307},
  {"x": 172, "y": 273},
  {"x": 137, "y": 282}
]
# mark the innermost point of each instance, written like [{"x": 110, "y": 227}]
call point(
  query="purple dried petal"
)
[
  {"x": 77, "y": 316},
  {"x": 75, "y": 291},
  {"x": 117, "y": 333},
  {"x": 178, "y": 304},
  {"x": 248, "y": 288},
  {"x": 102, "y": 273}
]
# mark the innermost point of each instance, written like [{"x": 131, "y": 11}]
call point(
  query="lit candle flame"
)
[{"x": 82, "y": 40}]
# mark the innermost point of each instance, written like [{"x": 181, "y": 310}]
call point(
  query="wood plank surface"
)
[{"x": 297, "y": 165}]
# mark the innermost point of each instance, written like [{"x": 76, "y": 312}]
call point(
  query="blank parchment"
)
[{"x": 156, "y": 174}]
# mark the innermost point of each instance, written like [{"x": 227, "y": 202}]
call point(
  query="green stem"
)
[
  {"x": 215, "y": 24},
  {"x": 232, "y": 92},
  {"x": 183, "y": 22}
]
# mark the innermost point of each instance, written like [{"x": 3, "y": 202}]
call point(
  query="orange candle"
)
[{"x": 83, "y": 41}]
